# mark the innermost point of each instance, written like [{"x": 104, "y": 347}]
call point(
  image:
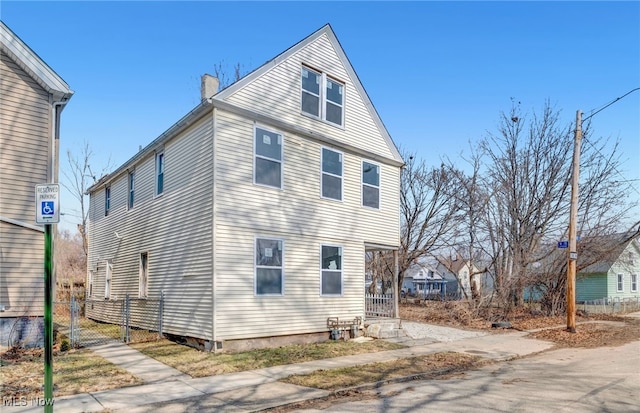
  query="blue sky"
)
[{"x": 439, "y": 73}]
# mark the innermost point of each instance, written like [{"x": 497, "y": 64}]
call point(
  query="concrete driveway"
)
[{"x": 597, "y": 380}]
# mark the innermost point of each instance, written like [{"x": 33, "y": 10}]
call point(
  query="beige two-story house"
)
[{"x": 252, "y": 213}]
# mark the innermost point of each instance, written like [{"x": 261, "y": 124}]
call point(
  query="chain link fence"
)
[{"x": 92, "y": 322}]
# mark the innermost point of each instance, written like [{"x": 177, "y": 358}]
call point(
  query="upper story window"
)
[
  {"x": 159, "y": 173},
  {"x": 322, "y": 96},
  {"x": 268, "y": 158},
  {"x": 269, "y": 267},
  {"x": 370, "y": 185},
  {"x": 331, "y": 174},
  {"x": 107, "y": 200},
  {"x": 131, "y": 189}
]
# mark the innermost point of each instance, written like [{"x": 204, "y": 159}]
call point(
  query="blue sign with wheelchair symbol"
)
[{"x": 47, "y": 208}]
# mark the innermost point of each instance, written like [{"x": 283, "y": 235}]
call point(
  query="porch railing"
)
[{"x": 379, "y": 305}]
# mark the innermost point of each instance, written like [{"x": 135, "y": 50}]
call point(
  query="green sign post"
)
[{"x": 48, "y": 213}]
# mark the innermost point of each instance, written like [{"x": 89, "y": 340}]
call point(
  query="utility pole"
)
[{"x": 573, "y": 250}]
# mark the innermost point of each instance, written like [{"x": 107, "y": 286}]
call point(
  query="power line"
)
[{"x": 606, "y": 105}]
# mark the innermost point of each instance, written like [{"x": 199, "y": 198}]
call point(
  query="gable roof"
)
[
  {"x": 31, "y": 63},
  {"x": 605, "y": 251},
  {"x": 326, "y": 30}
]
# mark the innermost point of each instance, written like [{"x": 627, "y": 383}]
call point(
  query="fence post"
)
[
  {"x": 160, "y": 313},
  {"x": 72, "y": 321},
  {"x": 127, "y": 315}
]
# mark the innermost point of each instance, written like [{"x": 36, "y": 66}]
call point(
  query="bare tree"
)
[
  {"x": 226, "y": 76},
  {"x": 428, "y": 216},
  {"x": 71, "y": 265},
  {"x": 77, "y": 179}
]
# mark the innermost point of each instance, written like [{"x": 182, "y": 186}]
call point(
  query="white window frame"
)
[
  {"x": 131, "y": 189},
  {"x": 634, "y": 283},
  {"x": 323, "y": 173},
  {"x": 108, "y": 273},
  {"x": 160, "y": 164},
  {"x": 256, "y": 156},
  {"x": 322, "y": 97},
  {"x": 257, "y": 267},
  {"x": 107, "y": 200},
  {"x": 620, "y": 283},
  {"x": 90, "y": 284},
  {"x": 363, "y": 184},
  {"x": 143, "y": 275},
  {"x": 341, "y": 270}
]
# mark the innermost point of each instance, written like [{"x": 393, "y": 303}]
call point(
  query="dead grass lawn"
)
[
  {"x": 201, "y": 364},
  {"x": 75, "y": 371}
]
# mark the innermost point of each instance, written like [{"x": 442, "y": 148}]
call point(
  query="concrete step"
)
[{"x": 383, "y": 328}]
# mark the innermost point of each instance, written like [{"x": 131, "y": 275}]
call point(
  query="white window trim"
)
[
  {"x": 363, "y": 184},
  {"x": 341, "y": 271},
  {"x": 131, "y": 189},
  {"x": 256, "y": 156},
  {"x": 107, "y": 200},
  {"x": 157, "y": 172},
  {"x": 634, "y": 277},
  {"x": 90, "y": 284},
  {"x": 256, "y": 266},
  {"x": 143, "y": 282},
  {"x": 108, "y": 278},
  {"x": 620, "y": 282},
  {"x": 322, "y": 98},
  {"x": 330, "y": 174}
]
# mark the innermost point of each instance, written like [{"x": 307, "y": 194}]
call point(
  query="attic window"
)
[{"x": 322, "y": 96}]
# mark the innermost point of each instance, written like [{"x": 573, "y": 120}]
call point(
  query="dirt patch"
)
[{"x": 593, "y": 334}]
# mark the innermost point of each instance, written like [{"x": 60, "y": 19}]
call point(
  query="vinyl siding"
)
[
  {"x": 591, "y": 287},
  {"x": 277, "y": 93},
  {"x": 24, "y": 158},
  {"x": 174, "y": 228},
  {"x": 298, "y": 215}
]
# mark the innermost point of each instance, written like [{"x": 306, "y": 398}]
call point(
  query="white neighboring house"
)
[
  {"x": 32, "y": 97},
  {"x": 253, "y": 212},
  {"x": 460, "y": 275}
]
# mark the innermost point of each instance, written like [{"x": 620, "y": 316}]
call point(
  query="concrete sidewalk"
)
[{"x": 168, "y": 390}]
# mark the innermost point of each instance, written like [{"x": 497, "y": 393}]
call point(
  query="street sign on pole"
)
[
  {"x": 563, "y": 244},
  {"x": 47, "y": 204}
]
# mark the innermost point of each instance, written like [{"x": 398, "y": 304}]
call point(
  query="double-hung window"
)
[
  {"x": 268, "y": 158},
  {"x": 269, "y": 267},
  {"x": 634, "y": 282},
  {"x": 322, "y": 96},
  {"x": 620, "y": 282},
  {"x": 131, "y": 189},
  {"x": 159, "y": 173},
  {"x": 107, "y": 279},
  {"x": 331, "y": 174},
  {"x": 370, "y": 185},
  {"x": 143, "y": 284},
  {"x": 331, "y": 270},
  {"x": 107, "y": 200}
]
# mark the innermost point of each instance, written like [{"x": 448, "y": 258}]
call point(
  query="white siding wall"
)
[
  {"x": 174, "y": 228},
  {"x": 304, "y": 220},
  {"x": 25, "y": 139},
  {"x": 277, "y": 93}
]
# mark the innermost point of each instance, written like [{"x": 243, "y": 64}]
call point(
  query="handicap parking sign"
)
[
  {"x": 48, "y": 208},
  {"x": 47, "y": 204}
]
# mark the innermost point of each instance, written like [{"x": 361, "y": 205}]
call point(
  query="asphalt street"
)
[{"x": 605, "y": 379}]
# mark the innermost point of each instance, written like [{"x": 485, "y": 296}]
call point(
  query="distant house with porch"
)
[
  {"x": 253, "y": 213},
  {"x": 422, "y": 280},
  {"x": 32, "y": 97}
]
